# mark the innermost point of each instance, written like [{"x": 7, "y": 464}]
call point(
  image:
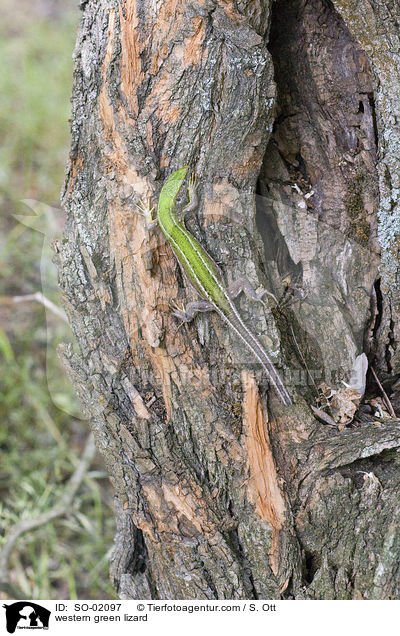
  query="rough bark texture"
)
[
  {"x": 221, "y": 492},
  {"x": 375, "y": 26}
]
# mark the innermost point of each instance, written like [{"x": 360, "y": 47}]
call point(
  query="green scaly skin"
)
[{"x": 206, "y": 277}]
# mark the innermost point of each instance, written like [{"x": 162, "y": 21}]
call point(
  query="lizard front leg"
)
[
  {"x": 193, "y": 198},
  {"x": 147, "y": 210}
]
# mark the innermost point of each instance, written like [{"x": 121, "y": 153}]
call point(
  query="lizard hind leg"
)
[
  {"x": 243, "y": 285},
  {"x": 187, "y": 315}
]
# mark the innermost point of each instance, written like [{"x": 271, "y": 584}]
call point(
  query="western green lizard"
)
[{"x": 206, "y": 277}]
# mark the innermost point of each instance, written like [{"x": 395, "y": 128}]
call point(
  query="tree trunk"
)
[{"x": 221, "y": 491}]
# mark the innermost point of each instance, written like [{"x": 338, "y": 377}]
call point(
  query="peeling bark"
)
[{"x": 221, "y": 492}]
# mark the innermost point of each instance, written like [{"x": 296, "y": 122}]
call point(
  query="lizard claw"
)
[
  {"x": 192, "y": 186},
  {"x": 268, "y": 293},
  {"x": 146, "y": 209},
  {"x": 294, "y": 291},
  {"x": 179, "y": 312}
]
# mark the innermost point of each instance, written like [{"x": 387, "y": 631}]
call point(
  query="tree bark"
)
[{"x": 287, "y": 114}]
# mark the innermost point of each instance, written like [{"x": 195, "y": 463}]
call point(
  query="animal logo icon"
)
[{"x": 26, "y": 615}]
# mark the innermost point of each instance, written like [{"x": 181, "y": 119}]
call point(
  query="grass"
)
[
  {"x": 35, "y": 81},
  {"x": 42, "y": 431}
]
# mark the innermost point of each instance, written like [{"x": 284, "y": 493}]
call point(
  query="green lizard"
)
[{"x": 206, "y": 277}]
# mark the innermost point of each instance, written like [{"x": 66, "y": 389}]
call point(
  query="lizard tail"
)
[{"x": 259, "y": 352}]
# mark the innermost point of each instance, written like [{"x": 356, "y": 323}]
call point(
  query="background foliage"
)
[{"x": 42, "y": 432}]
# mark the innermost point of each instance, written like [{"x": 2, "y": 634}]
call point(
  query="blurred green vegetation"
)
[{"x": 41, "y": 433}]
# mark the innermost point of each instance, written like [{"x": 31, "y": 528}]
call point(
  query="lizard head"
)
[{"x": 173, "y": 184}]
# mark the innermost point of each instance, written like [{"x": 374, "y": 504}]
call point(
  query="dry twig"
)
[
  {"x": 38, "y": 297},
  {"x": 62, "y": 508},
  {"x": 385, "y": 396}
]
